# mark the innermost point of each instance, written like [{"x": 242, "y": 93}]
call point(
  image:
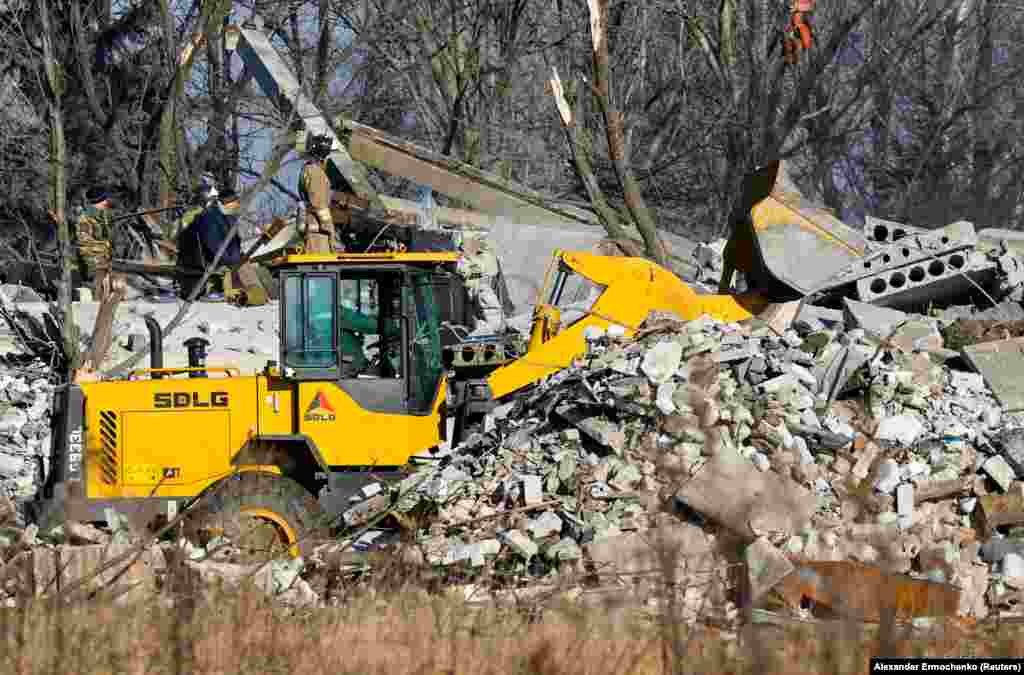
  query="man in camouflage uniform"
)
[
  {"x": 93, "y": 233},
  {"x": 478, "y": 266},
  {"x": 315, "y": 190}
]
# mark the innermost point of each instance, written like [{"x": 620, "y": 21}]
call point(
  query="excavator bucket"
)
[{"x": 785, "y": 246}]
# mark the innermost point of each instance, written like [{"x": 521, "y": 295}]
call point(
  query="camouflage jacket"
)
[{"x": 93, "y": 232}]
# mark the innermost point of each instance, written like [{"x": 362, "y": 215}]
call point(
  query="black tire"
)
[{"x": 230, "y": 506}]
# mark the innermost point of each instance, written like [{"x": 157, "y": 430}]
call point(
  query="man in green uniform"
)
[
  {"x": 315, "y": 191},
  {"x": 95, "y": 255}
]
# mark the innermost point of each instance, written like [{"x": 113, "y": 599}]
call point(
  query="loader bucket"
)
[{"x": 785, "y": 246}]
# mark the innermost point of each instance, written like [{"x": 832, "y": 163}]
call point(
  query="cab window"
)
[
  {"x": 311, "y": 321},
  {"x": 370, "y": 330},
  {"x": 425, "y": 355},
  {"x": 573, "y": 294}
]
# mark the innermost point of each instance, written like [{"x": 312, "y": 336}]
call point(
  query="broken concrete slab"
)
[
  {"x": 731, "y": 491},
  {"x": 878, "y": 321},
  {"x": 1001, "y": 363}
]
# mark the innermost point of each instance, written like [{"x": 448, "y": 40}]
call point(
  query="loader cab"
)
[{"x": 368, "y": 324}]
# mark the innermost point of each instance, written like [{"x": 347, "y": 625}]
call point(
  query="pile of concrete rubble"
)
[
  {"x": 26, "y": 397},
  {"x": 857, "y": 460},
  {"x": 825, "y": 437}
]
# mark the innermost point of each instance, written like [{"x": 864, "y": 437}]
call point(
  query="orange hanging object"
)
[
  {"x": 798, "y": 36},
  {"x": 803, "y": 29}
]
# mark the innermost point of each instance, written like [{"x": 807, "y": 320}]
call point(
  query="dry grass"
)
[{"x": 242, "y": 632}]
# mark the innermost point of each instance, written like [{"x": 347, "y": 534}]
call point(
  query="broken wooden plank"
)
[{"x": 1001, "y": 364}]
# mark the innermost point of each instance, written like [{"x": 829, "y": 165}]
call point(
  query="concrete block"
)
[
  {"x": 920, "y": 282},
  {"x": 888, "y": 476},
  {"x": 662, "y": 361},
  {"x": 1011, "y": 445},
  {"x": 880, "y": 321},
  {"x": 905, "y": 504},
  {"x": 994, "y": 550},
  {"x": 545, "y": 525},
  {"x": 1001, "y": 363},
  {"x": 883, "y": 231},
  {"x": 997, "y": 469},
  {"x": 11, "y": 465},
  {"x": 777, "y": 383},
  {"x": 1013, "y": 569},
  {"x": 902, "y": 429},
  {"x": 993, "y": 237},
  {"x": 920, "y": 246},
  {"x": 827, "y": 316},
  {"x": 520, "y": 543},
  {"x": 533, "y": 490}
]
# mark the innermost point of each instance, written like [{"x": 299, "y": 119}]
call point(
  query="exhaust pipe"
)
[
  {"x": 156, "y": 346},
  {"x": 196, "y": 355}
]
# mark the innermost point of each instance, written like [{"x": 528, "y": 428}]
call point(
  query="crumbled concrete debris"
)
[
  {"x": 902, "y": 429},
  {"x": 997, "y": 469},
  {"x": 520, "y": 543},
  {"x": 888, "y": 476},
  {"x": 1011, "y": 445},
  {"x": 757, "y": 432},
  {"x": 879, "y": 321},
  {"x": 905, "y": 504},
  {"x": 662, "y": 361},
  {"x": 1013, "y": 570}
]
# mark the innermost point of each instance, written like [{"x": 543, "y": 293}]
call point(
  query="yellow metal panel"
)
[
  {"x": 276, "y": 408},
  {"x": 347, "y": 434},
  {"x": 150, "y": 425},
  {"x": 156, "y": 443}
]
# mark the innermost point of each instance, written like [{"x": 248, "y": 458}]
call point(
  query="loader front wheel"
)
[{"x": 261, "y": 514}]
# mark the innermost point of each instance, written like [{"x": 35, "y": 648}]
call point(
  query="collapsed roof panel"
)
[{"x": 483, "y": 190}]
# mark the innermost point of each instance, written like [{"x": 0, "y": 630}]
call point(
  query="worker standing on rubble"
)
[
  {"x": 315, "y": 190},
  {"x": 95, "y": 258}
]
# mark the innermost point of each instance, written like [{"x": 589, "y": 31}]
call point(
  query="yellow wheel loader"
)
[{"x": 362, "y": 384}]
